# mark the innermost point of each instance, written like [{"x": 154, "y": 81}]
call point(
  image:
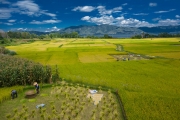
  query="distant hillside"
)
[
  {"x": 161, "y": 29},
  {"x": 38, "y": 32},
  {"x": 100, "y": 30},
  {"x": 114, "y": 31}
]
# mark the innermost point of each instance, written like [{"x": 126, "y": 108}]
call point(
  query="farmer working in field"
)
[
  {"x": 13, "y": 94},
  {"x": 37, "y": 87}
]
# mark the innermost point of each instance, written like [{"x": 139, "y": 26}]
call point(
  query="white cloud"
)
[
  {"x": 86, "y": 18},
  {"x": 48, "y": 14},
  {"x": 84, "y": 8},
  {"x": 119, "y": 21},
  {"x": 8, "y": 23},
  {"x": 52, "y": 29},
  {"x": 168, "y": 22},
  {"x": 141, "y": 14},
  {"x": 45, "y": 22},
  {"x": 11, "y": 21},
  {"x": 22, "y": 22},
  {"x": 106, "y": 17},
  {"x": 102, "y": 10},
  {"x": 177, "y": 16},
  {"x": 165, "y": 11},
  {"x": 5, "y": 13},
  {"x": 55, "y": 29},
  {"x": 156, "y": 19},
  {"x": 22, "y": 29},
  {"x": 4, "y": 2},
  {"x": 152, "y": 4},
  {"x": 27, "y": 7},
  {"x": 125, "y": 4},
  {"x": 102, "y": 20}
]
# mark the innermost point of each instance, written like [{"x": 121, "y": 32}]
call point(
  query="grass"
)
[
  {"x": 149, "y": 88},
  {"x": 62, "y": 102}
]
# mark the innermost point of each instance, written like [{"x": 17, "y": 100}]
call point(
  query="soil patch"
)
[{"x": 130, "y": 57}]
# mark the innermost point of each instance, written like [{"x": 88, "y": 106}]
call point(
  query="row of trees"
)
[
  {"x": 161, "y": 35},
  {"x": 27, "y": 35}
]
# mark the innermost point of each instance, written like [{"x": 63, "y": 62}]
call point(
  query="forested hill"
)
[{"x": 161, "y": 29}]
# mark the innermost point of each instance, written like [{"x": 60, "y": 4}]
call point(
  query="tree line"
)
[
  {"x": 28, "y": 35},
  {"x": 160, "y": 35}
]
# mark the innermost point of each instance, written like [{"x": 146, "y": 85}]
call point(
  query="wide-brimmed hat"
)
[{"x": 35, "y": 83}]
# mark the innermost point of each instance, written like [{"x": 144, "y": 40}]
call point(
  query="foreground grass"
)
[{"x": 149, "y": 88}]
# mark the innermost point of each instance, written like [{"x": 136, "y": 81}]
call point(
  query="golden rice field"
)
[{"x": 149, "y": 88}]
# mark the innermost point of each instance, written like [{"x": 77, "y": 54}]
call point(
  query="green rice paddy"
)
[{"x": 149, "y": 88}]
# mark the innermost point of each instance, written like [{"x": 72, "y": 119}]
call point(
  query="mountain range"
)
[
  {"x": 114, "y": 31},
  {"x": 100, "y": 30}
]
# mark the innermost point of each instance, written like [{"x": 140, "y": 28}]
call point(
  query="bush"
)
[
  {"x": 12, "y": 52},
  {"x": 3, "y": 50},
  {"x": 17, "y": 71}
]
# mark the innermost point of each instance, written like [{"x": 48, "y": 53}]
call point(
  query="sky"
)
[{"x": 53, "y": 15}]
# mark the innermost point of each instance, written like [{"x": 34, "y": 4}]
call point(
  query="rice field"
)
[
  {"x": 63, "y": 102},
  {"x": 149, "y": 88}
]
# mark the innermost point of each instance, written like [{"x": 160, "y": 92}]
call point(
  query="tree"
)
[
  {"x": 41, "y": 37},
  {"x": 107, "y": 36},
  {"x": 1, "y": 38}
]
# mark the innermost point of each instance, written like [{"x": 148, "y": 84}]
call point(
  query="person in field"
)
[
  {"x": 13, "y": 94},
  {"x": 36, "y": 87}
]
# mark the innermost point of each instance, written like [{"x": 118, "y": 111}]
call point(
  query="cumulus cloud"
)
[
  {"x": 177, "y": 16},
  {"x": 152, "y": 4},
  {"x": 52, "y": 29},
  {"x": 106, "y": 17},
  {"x": 103, "y": 11},
  {"x": 141, "y": 14},
  {"x": 45, "y": 22},
  {"x": 119, "y": 21},
  {"x": 84, "y": 8},
  {"x": 165, "y": 11},
  {"x": 101, "y": 20},
  {"x": 86, "y": 18}
]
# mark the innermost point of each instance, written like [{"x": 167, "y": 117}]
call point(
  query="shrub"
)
[{"x": 17, "y": 71}]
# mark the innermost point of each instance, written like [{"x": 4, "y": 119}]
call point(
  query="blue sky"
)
[{"x": 52, "y": 15}]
